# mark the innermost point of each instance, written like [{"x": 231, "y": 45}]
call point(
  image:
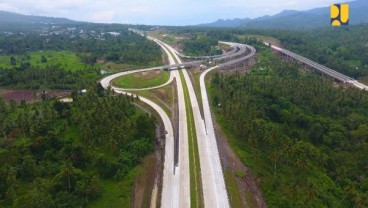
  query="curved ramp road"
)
[
  {"x": 175, "y": 187},
  {"x": 176, "y": 179}
]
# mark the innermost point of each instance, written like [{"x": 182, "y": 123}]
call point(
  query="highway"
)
[
  {"x": 176, "y": 177},
  {"x": 213, "y": 182},
  {"x": 182, "y": 171},
  {"x": 322, "y": 69},
  {"x": 175, "y": 182}
]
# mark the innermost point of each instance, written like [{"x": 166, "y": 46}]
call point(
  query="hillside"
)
[
  {"x": 13, "y": 18},
  {"x": 291, "y": 19}
]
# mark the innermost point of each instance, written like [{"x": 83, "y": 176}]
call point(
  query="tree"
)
[
  {"x": 36, "y": 198},
  {"x": 12, "y": 182},
  {"x": 13, "y": 61},
  {"x": 43, "y": 59},
  {"x": 67, "y": 174}
]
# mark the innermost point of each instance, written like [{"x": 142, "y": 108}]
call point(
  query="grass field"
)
[
  {"x": 142, "y": 79},
  {"x": 66, "y": 59}
]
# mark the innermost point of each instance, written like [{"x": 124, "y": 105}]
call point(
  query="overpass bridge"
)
[
  {"x": 320, "y": 68},
  {"x": 242, "y": 54}
]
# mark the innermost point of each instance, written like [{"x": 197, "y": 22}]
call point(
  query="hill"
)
[
  {"x": 25, "y": 23},
  {"x": 291, "y": 19},
  {"x": 12, "y": 18}
]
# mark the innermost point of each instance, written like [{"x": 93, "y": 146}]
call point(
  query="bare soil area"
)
[{"x": 31, "y": 95}]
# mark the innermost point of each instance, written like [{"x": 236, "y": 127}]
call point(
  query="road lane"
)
[
  {"x": 213, "y": 182},
  {"x": 183, "y": 163}
]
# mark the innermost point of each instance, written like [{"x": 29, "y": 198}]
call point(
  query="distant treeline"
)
[{"x": 126, "y": 48}]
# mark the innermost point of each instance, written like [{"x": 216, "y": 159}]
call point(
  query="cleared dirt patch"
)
[{"x": 32, "y": 95}]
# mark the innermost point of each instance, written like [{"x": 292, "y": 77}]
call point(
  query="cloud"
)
[
  {"x": 103, "y": 16},
  {"x": 161, "y": 12},
  {"x": 9, "y": 8}
]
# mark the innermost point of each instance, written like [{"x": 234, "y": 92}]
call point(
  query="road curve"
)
[
  {"x": 171, "y": 182},
  {"x": 176, "y": 179}
]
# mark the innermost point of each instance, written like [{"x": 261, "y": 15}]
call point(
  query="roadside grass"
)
[
  {"x": 145, "y": 181},
  {"x": 233, "y": 189},
  {"x": 151, "y": 96},
  {"x": 364, "y": 80},
  {"x": 65, "y": 59},
  {"x": 255, "y": 165},
  {"x": 194, "y": 163},
  {"x": 224, "y": 46},
  {"x": 142, "y": 79}
]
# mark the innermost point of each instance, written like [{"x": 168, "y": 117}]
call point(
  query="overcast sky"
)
[{"x": 157, "y": 12}]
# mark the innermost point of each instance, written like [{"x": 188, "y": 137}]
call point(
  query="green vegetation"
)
[
  {"x": 342, "y": 49},
  {"x": 196, "y": 85},
  {"x": 304, "y": 139},
  {"x": 151, "y": 95},
  {"x": 232, "y": 189},
  {"x": 196, "y": 193},
  {"x": 116, "y": 192},
  {"x": 65, "y": 59},
  {"x": 142, "y": 79},
  {"x": 71, "y": 57},
  {"x": 53, "y": 77},
  {"x": 55, "y": 154},
  {"x": 93, "y": 44},
  {"x": 201, "y": 45}
]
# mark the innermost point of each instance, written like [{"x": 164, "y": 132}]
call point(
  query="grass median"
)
[{"x": 142, "y": 79}]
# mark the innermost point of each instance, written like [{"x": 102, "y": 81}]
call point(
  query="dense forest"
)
[
  {"x": 55, "y": 154},
  {"x": 302, "y": 137}
]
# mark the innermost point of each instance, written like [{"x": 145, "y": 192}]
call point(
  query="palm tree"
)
[
  {"x": 67, "y": 171},
  {"x": 12, "y": 181}
]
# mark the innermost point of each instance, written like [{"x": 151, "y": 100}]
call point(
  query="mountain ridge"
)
[
  {"x": 15, "y": 18},
  {"x": 293, "y": 19}
]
